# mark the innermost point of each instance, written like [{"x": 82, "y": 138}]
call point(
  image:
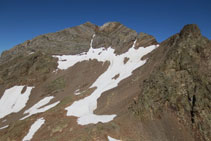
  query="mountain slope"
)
[
  {"x": 98, "y": 83},
  {"x": 181, "y": 82}
]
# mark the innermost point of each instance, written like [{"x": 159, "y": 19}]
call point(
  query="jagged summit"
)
[
  {"x": 110, "y": 26},
  {"x": 88, "y": 25},
  {"x": 190, "y": 30}
]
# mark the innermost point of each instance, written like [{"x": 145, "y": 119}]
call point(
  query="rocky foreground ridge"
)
[
  {"x": 181, "y": 82},
  {"x": 168, "y": 98}
]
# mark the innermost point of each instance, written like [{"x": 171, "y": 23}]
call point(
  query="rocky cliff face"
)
[
  {"x": 166, "y": 97},
  {"x": 181, "y": 82}
]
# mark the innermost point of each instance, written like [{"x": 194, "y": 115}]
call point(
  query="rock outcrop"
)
[{"x": 181, "y": 82}]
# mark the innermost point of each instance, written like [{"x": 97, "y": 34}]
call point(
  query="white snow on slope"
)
[
  {"x": 31, "y": 53},
  {"x": 112, "y": 139},
  {"x": 13, "y": 101},
  {"x": 34, "y": 128},
  {"x": 38, "y": 107},
  {"x": 77, "y": 92},
  {"x": 84, "y": 108},
  {"x": 4, "y": 127}
]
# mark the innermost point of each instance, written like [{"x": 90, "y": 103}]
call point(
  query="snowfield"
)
[
  {"x": 38, "y": 108},
  {"x": 84, "y": 108},
  {"x": 34, "y": 128},
  {"x": 112, "y": 139},
  {"x": 13, "y": 100},
  {"x": 4, "y": 127}
]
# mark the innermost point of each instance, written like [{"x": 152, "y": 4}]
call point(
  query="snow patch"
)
[
  {"x": 112, "y": 139},
  {"x": 34, "y": 128},
  {"x": 13, "y": 100},
  {"x": 31, "y": 53},
  {"x": 38, "y": 107},
  {"x": 55, "y": 71},
  {"x": 77, "y": 92},
  {"x": 84, "y": 108},
  {"x": 4, "y": 127}
]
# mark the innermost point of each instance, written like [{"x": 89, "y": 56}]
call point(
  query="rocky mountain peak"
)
[
  {"x": 110, "y": 26},
  {"x": 77, "y": 39},
  {"x": 190, "y": 31},
  {"x": 145, "y": 40},
  {"x": 89, "y": 25}
]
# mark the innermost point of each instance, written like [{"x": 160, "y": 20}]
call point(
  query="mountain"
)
[{"x": 107, "y": 82}]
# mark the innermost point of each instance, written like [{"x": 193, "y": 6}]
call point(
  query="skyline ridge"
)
[{"x": 23, "y": 20}]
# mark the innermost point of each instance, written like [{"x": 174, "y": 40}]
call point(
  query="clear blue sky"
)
[{"x": 22, "y": 20}]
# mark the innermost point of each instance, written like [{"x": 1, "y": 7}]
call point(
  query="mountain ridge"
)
[
  {"x": 165, "y": 97},
  {"x": 72, "y": 41}
]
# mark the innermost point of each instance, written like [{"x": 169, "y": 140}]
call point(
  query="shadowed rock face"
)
[{"x": 181, "y": 82}]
